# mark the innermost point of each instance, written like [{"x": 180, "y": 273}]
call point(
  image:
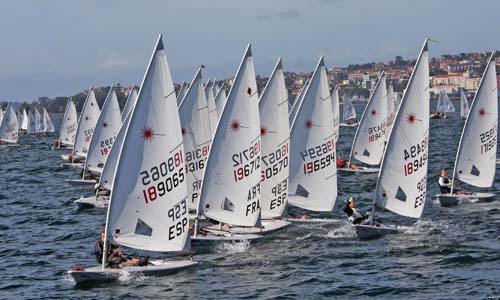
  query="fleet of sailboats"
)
[{"x": 235, "y": 164}]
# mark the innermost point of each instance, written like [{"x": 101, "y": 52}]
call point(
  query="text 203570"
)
[
  {"x": 162, "y": 178},
  {"x": 488, "y": 139},
  {"x": 179, "y": 216},
  {"x": 274, "y": 162},
  {"x": 415, "y": 157},
  {"x": 246, "y": 162}
]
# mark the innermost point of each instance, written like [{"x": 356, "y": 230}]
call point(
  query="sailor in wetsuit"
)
[
  {"x": 445, "y": 184},
  {"x": 114, "y": 257},
  {"x": 343, "y": 164},
  {"x": 354, "y": 215}
]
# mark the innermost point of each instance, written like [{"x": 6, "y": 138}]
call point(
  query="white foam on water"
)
[
  {"x": 234, "y": 246},
  {"x": 300, "y": 238},
  {"x": 343, "y": 231},
  {"x": 126, "y": 276}
]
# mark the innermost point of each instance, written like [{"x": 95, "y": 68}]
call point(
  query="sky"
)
[{"x": 60, "y": 47}]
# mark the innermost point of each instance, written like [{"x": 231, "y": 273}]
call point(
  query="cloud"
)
[{"x": 288, "y": 14}]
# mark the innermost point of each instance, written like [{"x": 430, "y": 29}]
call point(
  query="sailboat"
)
[
  {"x": 220, "y": 100},
  {"x": 9, "y": 128},
  {"x": 24, "y": 125},
  {"x": 475, "y": 162},
  {"x": 131, "y": 99},
  {"x": 182, "y": 92},
  {"x": 197, "y": 136},
  {"x": 336, "y": 113},
  {"x": 348, "y": 113},
  {"x": 275, "y": 144},
  {"x": 1, "y": 114},
  {"x": 68, "y": 127},
  {"x": 148, "y": 209},
  {"x": 230, "y": 191},
  {"x": 38, "y": 122},
  {"x": 391, "y": 107},
  {"x": 19, "y": 118},
  {"x": 441, "y": 106},
  {"x": 464, "y": 105},
  {"x": 313, "y": 170},
  {"x": 47, "y": 125},
  {"x": 212, "y": 107},
  {"x": 85, "y": 129},
  {"x": 401, "y": 185},
  {"x": 107, "y": 127},
  {"x": 369, "y": 141}
]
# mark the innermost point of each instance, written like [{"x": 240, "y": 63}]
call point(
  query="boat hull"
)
[
  {"x": 81, "y": 182},
  {"x": 368, "y": 232},
  {"x": 155, "y": 268},
  {"x": 97, "y": 202},
  {"x": 454, "y": 199},
  {"x": 359, "y": 170}
]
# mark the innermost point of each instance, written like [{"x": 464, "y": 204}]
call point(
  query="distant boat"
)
[
  {"x": 1, "y": 115},
  {"x": 348, "y": 113},
  {"x": 475, "y": 162},
  {"x": 369, "y": 141},
  {"x": 402, "y": 181},
  {"x": 464, "y": 105},
  {"x": 68, "y": 126},
  {"x": 24, "y": 125},
  {"x": 313, "y": 170},
  {"x": 149, "y": 182},
  {"x": 86, "y": 126},
  {"x": 47, "y": 125},
  {"x": 336, "y": 113},
  {"x": 391, "y": 107},
  {"x": 31, "y": 124},
  {"x": 9, "y": 128},
  {"x": 38, "y": 121}
]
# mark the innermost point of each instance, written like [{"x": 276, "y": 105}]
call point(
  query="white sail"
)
[
  {"x": 1, "y": 115},
  {"x": 86, "y": 125},
  {"x": 212, "y": 108},
  {"x": 231, "y": 183},
  {"x": 19, "y": 118},
  {"x": 31, "y": 123},
  {"x": 275, "y": 139},
  {"x": 295, "y": 105},
  {"x": 148, "y": 208},
  {"x": 336, "y": 113},
  {"x": 9, "y": 127},
  {"x": 441, "y": 105},
  {"x": 401, "y": 185},
  {"x": 391, "y": 106},
  {"x": 69, "y": 124},
  {"x": 107, "y": 127},
  {"x": 449, "y": 105},
  {"x": 313, "y": 170},
  {"x": 131, "y": 100},
  {"x": 182, "y": 92},
  {"x": 38, "y": 121},
  {"x": 476, "y": 157},
  {"x": 220, "y": 101},
  {"x": 48, "y": 126},
  {"x": 24, "y": 124},
  {"x": 464, "y": 105},
  {"x": 195, "y": 124},
  {"x": 348, "y": 111},
  {"x": 369, "y": 140}
]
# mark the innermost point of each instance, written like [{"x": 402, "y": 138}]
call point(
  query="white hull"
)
[
  {"x": 155, "y": 268},
  {"x": 97, "y": 202},
  {"x": 82, "y": 182},
  {"x": 367, "y": 232},
  {"x": 67, "y": 157},
  {"x": 359, "y": 170},
  {"x": 268, "y": 226},
  {"x": 312, "y": 220},
  {"x": 74, "y": 165},
  {"x": 448, "y": 200}
]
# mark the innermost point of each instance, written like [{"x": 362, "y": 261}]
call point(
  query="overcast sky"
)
[{"x": 60, "y": 47}]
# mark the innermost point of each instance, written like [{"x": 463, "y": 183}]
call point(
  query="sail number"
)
[
  {"x": 280, "y": 193},
  {"x": 376, "y": 132},
  {"x": 319, "y": 164},
  {"x": 318, "y": 151},
  {"x": 415, "y": 157},
  {"x": 156, "y": 176},
  {"x": 178, "y": 215},
  {"x": 276, "y": 161},
  {"x": 106, "y": 145},
  {"x": 421, "y": 188},
  {"x": 247, "y": 161},
  {"x": 195, "y": 160},
  {"x": 488, "y": 139},
  {"x": 88, "y": 134}
]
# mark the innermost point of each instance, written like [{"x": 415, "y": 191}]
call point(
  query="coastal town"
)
[{"x": 450, "y": 73}]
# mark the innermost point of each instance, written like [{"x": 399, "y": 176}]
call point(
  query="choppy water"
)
[{"x": 451, "y": 253}]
